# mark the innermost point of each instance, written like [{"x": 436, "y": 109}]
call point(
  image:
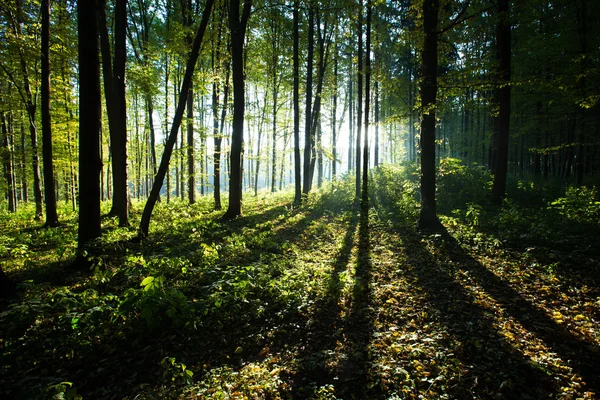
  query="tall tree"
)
[
  {"x": 428, "y": 87},
  {"x": 502, "y": 97},
  {"x": 90, "y": 163},
  {"x": 116, "y": 104},
  {"x": 237, "y": 28},
  {"x": 296, "y": 105},
  {"x": 359, "y": 96},
  {"x": 365, "y": 177},
  {"x": 49, "y": 193},
  {"x": 308, "y": 138},
  {"x": 217, "y": 58},
  {"x": 16, "y": 15},
  {"x": 181, "y": 105},
  {"x": 8, "y": 165}
]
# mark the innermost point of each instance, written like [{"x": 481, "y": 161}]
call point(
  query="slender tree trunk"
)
[
  {"x": 274, "y": 138},
  {"x": 89, "y": 126},
  {"x": 259, "y": 142},
  {"x": 308, "y": 140},
  {"x": 428, "y": 217},
  {"x": 376, "y": 160},
  {"x": 8, "y": 172},
  {"x": 237, "y": 27},
  {"x": 360, "y": 101},
  {"x": 49, "y": 194},
  {"x": 503, "y": 98},
  {"x": 190, "y": 146},
  {"x": 24, "y": 179},
  {"x": 365, "y": 177},
  {"x": 350, "y": 119},
  {"x": 334, "y": 114},
  {"x": 319, "y": 153},
  {"x": 168, "y": 173},
  {"x": 296, "y": 106},
  {"x": 119, "y": 142},
  {"x": 150, "y": 108},
  {"x": 164, "y": 162}
]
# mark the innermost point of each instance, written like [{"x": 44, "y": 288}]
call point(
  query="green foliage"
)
[
  {"x": 176, "y": 371},
  {"x": 284, "y": 300},
  {"x": 156, "y": 304},
  {"x": 579, "y": 204},
  {"x": 459, "y": 185},
  {"x": 395, "y": 190}
]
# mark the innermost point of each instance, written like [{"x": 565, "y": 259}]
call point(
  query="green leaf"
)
[{"x": 148, "y": 280}]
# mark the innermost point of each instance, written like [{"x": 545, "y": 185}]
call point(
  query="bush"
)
[
  {"x": 395, "y": 189},
  {"x": 459, "y": 185},
  {"x": 579, "y": 204}
]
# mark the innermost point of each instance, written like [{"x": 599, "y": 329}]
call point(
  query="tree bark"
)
[
  {"x": 89, "y": 125},
  {"x": 296, "y": 105},
  {"x": 365, "y": 177},
  {"x": 237, "y": 27},
  {"x": 334, "y": 114},
  {"x": 428, "y": 217},
  {"x": 8, "y": 170},
  {"x": 190, "y": 145},
  {"x": 359, "y": 96},
  {"x": 49, "y": 194},
  {"x": 119, "y": 142},
  {"x": 308, "y": 139},
  {"x": 503, "y": 38}
]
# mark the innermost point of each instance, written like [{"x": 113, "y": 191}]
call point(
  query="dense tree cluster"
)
[{"x": 298, "y": 91}]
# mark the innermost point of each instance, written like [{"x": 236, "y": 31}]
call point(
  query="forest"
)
[{"x": 300, "y": 199}]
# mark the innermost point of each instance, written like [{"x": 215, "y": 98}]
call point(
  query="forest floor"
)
[{"x": 325, "y": 301}]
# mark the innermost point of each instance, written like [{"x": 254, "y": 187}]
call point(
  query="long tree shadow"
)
[
  {"x": 354, "y": 374},
  {"x": 491, "y": 361},
  {"x": 98, "y": 363},
  {"x": 315, "y": 369},
  {"x": 582, "y": 356}
]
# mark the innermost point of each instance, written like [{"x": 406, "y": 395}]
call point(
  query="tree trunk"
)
[
  {"x": 334, "y": 115},
  {"x": 166, "y": 157},
  {"x": 119, "y": 142},
  {"x": 503, "y": 37},
  {"x": 8, "y": 170},
  {"x": 308, "y": 139},
  {"x": 376, "y": 160},
  {"x": 190, "y": 145},
  {"x": 89, "y": 126},
  {"x": 237, "y": 27},
  {"x": 365, "y": 177},
  {"x": 428, "y": 217},
  {"x": 49, "y": 194},
  {"x": 359, "y": 96},
  {"x": 296, "y": 105}
]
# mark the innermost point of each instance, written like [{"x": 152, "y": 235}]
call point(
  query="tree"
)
[
  {"x": 49, "y": 193},
  {"x": 428, "y": 88},
  {"x": 218, "y": 128},
  {"x": 16, "y": 16},
  {"x": 296, "y": 106},
  {"x": 308, "y": 138},
  {"x": 116, "y": 104},
  {"x": 90, "y": 163},
  {"x": 502, "y": 97},
  {"x": 359, "y": 89},
  {"x": 7, "y": 153},
  {"x": 237, "y": 28},
  {"x": 181, "y": 105},
  {"x": 365, "y": 177}
]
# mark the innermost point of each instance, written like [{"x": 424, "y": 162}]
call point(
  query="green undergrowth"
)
[{"x": 325, "y": 300}]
